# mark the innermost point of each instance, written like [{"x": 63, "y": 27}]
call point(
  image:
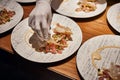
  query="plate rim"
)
[
  {"x": 23, "y": 1},
  {"x": 109, "y": 19}
]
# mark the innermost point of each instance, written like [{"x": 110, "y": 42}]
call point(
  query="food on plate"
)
[
  {"x": 96, "y": 56},
  {"x": 86, "y": 6},
  {"x": 113, "y": 73},
  {"x": 58, "y": 41},
  {"x": 6, "y": 15}
]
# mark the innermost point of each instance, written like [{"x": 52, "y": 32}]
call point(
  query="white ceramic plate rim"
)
[
  {"x": 19, "y": 14},
  {"x": 88, "y": 47},
  {"x": 29, "y": 53},
  {"x": 112, "y": 14},
  {"x": 99, "y": 10},
  {"x": 26, "y": 1}
]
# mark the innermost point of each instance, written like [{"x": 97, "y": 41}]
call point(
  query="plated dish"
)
[
  {"x": 96, "y": 54},
  {"x": 59, "y": 39},
  {"x": 26, "y": 1},
  {"x": 11, "y": 14},
  {"x": 68, "y": 8},
  {"x": 113, "y": 16},
  {"x": 22, "y": 33}
]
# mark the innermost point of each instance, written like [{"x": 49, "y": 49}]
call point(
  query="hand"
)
[{"x": 40, "y": 19}]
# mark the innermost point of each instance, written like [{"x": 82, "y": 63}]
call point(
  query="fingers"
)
[
  {"x": 46, "y": 23},
  {"x": 41, "y": 25},
  {"x": 35, "y": 23},
  {"x": 38, "y": 26},
  {"x": 31, "y": 21},
  {"x": 49, "y": 18},
  {"x": 45, "y": 28}
]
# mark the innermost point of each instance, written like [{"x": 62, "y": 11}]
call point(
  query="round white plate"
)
[
  {"x": 67, "y": 7},
  {"x": 83, "y": 59},
  {"x": 13, "y": 6},
  {"x": 22, "y": 33},
  {"x": 113, "y": 16},
  {"x": 26, "y": 1}
]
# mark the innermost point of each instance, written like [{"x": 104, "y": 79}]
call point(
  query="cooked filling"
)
[
  {"x": 5, "y": 16},
  {"x": 58, "y": 41},
  {"x": 113, "y": 73},
  {"x": 86, "y": 6}
]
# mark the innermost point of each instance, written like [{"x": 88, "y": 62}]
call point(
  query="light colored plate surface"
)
[
  {"x": 13, "y": 6},
  {"x": 26, "y": 1},
  {"x": 67, "y": 7},
  {"x": 113, "y": 16},
  {"x": 84, "y": 63},
  {"x": 22, "y": 33}
]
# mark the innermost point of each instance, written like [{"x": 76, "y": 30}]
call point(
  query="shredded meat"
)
[
  {"x": 5, "y": 16},
  {"x": 113, "y": 73}
]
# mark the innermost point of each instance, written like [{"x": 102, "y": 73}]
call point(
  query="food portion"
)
[
  {"x": 86, "y": 6},
  {"x": 58, "y": 41},
  {"x": 6, "y": 15},
  {"x": 113, "y": 73},
  {"x": 96, "y": 56}
]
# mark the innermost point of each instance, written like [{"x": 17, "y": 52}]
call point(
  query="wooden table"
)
[{"x": 91, "y": 27}]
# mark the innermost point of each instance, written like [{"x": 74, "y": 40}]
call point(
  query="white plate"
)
[
  {"x": 67, "y": 7},
  {"x": 84, "y": 62},
  {"x": 13, "y": 6},
  {"x": 26, "y": 1},
  {"x": 22, "y": 33},
  {"x": 113, "y": 16}
]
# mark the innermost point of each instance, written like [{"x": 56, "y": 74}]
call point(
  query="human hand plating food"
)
[{"x": 40, "y": 19}]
